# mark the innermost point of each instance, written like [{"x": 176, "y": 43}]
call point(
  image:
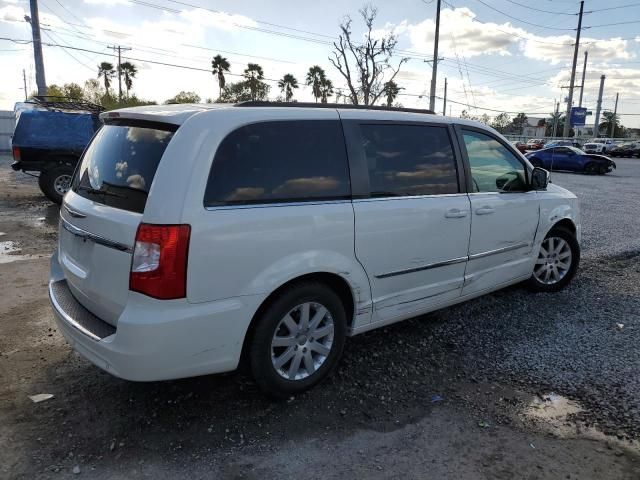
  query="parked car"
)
[
  {"x": 194, "y": 236},
  {"x": 535, "y": 144},
  {"x": 520, "y": 146},
  {"x": 562, "y": 143},
  {"x": 49, "y": 137},
  {"x": 631, "y": 149},
  {"x": 571, "y": 158},
  {"x": 599, "y": 145}
]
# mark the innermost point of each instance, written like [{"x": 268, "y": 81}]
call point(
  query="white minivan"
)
[{"x": 197, "y": 236}]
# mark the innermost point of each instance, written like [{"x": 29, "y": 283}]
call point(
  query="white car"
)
[
  {"x": 196, "y": 236},
  {"x": 599, "y": 145}
]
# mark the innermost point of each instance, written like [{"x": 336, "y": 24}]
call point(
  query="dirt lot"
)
[{"x": 512, "y": 385}]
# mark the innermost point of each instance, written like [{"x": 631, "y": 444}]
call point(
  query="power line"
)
[
  {"x": 614, "y": 8},
  {"x": 539, "y": 10},
  {"x": 520, "y": 20},
  {"x": 68, "y": 53},
  {"x": 513, "y": 34},
  {"x": 612, "y": 24},
  {"x": 187, "y": 67},
  {"x": 257, "y": 21}
]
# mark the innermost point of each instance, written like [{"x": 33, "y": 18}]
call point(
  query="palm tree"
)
[
  {"x": 391, "y": 91},
  {"x": 106, "y": 71},
  {"x": 286, "y": 85},
  {"x": 555, "y": 119},
  {"x": 315, "y": 77},
  {"x": 253, "y": 75},
  {"x": 219, "y": 65},
  {"x": 326, "y": 89},
  {"x": 128, "y": 71},
  {"x": 610, "y": 120}
]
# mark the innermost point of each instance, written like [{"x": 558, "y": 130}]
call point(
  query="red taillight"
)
[
  {"x": 159, "y": 264},
  {"x": 16, "y": 153}
]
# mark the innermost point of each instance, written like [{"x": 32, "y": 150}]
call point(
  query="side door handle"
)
[
  {"x": 485, "y": 210},
  {"x": 455, "y": 213}
]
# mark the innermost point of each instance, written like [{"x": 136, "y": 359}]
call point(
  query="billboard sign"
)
[{"x": 578, "y": 115}]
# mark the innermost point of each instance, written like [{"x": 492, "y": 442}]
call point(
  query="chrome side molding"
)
[
  {"x": 453, "y": 261},
  {"x": 428, "y": 266}
]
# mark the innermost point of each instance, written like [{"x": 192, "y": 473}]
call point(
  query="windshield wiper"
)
[{"x": 96, "y": 191}]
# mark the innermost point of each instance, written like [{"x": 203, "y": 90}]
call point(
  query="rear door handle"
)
[
  {"x": 484, "y": 210},
  {"x": 455, "y": 213}
]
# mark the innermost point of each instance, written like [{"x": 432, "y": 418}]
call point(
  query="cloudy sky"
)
[{"x": 506, "y": 55}]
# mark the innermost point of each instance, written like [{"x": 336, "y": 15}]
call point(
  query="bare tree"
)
[{"x": 367, "y": 65}]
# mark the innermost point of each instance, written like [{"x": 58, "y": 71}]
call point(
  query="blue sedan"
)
[{"x": 571, "y": 158}]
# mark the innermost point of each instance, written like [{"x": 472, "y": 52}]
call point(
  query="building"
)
[
  {"x": 7, "y": 125},
  {"x": 534, "y": 128}
]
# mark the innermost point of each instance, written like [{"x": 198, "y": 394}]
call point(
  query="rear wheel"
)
[
  {"x": 557, "y": 261},
  {"x": 55, "y": 182},
  {"x": 298, "y": 339}
]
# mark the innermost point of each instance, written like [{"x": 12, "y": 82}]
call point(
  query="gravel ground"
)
[{"x": 445, "y": 395}]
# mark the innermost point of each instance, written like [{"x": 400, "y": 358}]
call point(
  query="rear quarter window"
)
[
  {"x": 119, "y": 165},
  {"x": 280, "y": 161}
]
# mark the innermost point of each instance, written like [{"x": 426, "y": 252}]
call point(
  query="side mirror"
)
[{"x": 539, "y": 178}]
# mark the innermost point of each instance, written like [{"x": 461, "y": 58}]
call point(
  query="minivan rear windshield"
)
[{"x": 119, "y": 164}]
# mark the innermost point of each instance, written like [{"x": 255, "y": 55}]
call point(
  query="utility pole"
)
[
  {"x": 613, "y": 123},
  {"x": 24, "y": 81},
  {"x": 555, "y": 120},
  {"x": 596, "y": 125},
  {"x": 567, "y": 121},
  {"x": 444, "y": 107},
  {"x": 434, "y": 72},
  {"x": 584, "y": 71},
  {"x": 34, "y": 20},
  {"x": 119, "y": 49}
]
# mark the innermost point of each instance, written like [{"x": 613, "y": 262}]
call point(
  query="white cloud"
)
[
  {"x": 220, "y": 20},
  {"x": 12, "y": 14},
  {"x": 559, "y": 49},
  {"x": 460, "y": 32},
  {"x": 618, "y": 79}
]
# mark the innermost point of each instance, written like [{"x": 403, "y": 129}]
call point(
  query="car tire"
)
[
  {"x": 591, "y": 168},
  {"x": 559, "y": 247},
  {"x": 55, "y": 182},
  {"x": 285, "y": 357}
]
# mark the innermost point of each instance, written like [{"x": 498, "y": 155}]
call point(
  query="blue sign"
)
[{"x": 578, "y": 116}]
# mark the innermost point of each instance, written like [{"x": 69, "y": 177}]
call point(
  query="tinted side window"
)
[
  {"x": 409, "y": 160},
  {"x": 493, "y": 167},
  {"x": 280, "y": 161}
]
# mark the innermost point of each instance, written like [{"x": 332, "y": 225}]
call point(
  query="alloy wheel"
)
[
  {"x": 554, "y": 260},
  {"x": 302, "y": 341}
]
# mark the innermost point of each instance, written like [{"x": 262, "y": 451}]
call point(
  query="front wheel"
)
[
  {"x": 591, "y": 169},
  {"x": 557, "y": 261},
  {"x": 298, "y": 339},
  {"x": 55, "y": 182}
]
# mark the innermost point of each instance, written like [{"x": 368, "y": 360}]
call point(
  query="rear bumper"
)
[{"x": 154, "y": 339}]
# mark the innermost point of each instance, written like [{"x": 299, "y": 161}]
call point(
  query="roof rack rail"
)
[
  {"x": 348, "y": 106},
  {"x": 55, "y": 102}
]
